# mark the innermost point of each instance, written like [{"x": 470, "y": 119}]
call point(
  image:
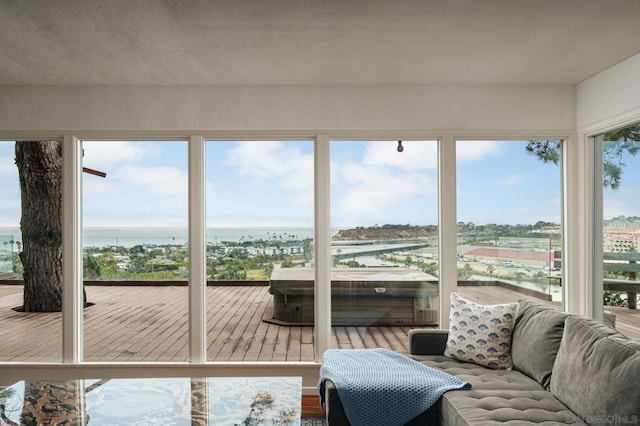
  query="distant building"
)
[{"x": 621, "y": 240}]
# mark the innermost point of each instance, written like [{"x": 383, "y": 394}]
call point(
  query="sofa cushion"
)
[
  {"x": 497, "y": 397},
  {"x": 536, "y": 338},
  {"x": 481, "y": 333},
  {"x": 480, "y": 377},
  {"x": 597, "y": 371},
  {"x": 505, "y": 407}
]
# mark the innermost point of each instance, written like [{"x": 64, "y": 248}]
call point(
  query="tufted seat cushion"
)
[
  {"x": 508, "y": 407},
  {"x": 497, "y": 397},
  {"x": 480, "y": 377}
]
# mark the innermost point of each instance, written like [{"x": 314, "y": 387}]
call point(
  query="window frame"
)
[{"x": 73, "y": 365}]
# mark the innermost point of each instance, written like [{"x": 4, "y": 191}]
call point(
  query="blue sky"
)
[{"x": 270, "y": 183}]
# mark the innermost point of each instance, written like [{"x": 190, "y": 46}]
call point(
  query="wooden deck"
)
[{"x": 129, "y": 324}]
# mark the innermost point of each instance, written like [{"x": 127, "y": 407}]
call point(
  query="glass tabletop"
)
[{"x": 157, "y": 401}]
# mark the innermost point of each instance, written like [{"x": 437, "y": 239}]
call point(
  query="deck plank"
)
[
  {"x": 250, "y": 330},
  {"x": 238, "y": 324},
  {"x": 295, "y": 344},
  {"x": 225, "y": 320},
  {"x": 151, "y": 324},
  {"x": 355, "y": 338}
]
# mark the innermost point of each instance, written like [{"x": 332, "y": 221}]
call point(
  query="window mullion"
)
[
  {"x": 72, "y": 291},
  {"x": 447, "y": 225},
  {"x": 197, "y": 251},
  {"x": 322, "y": 245}
]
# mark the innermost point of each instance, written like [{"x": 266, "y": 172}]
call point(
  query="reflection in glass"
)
[{"x": 201, "y": 401}]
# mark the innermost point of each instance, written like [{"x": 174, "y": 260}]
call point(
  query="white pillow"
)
[{"x": 481, "y": 334}]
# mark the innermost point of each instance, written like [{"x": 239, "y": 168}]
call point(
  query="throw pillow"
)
[{"x": 481, "y": 333}]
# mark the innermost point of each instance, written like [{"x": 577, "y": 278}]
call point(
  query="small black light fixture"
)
[{"x": 400, "y": 147}]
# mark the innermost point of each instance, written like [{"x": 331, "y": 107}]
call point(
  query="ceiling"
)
[{"x": 313, "y": 42}]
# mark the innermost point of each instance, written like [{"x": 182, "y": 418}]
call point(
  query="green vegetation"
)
[
  {"x": 226, "y": 261},
  {"x": 614, "y": 146},
  {"x": 614, "y": 298}
]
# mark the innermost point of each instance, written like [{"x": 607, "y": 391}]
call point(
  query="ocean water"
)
[{"x": 129, "y": 237}]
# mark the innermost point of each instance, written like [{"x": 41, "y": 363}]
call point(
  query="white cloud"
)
[
  {"x": 97, "y": 186},
  {"x": 419, "y": 155},
  {"x": 210, "y": 190},
  {"x": 614, "y": 208},
  {"x": 475, "y": 150},
  {"x": 103, "y": 155},
  {"x": 288, "y": 165},
  {"x": 369, "y": 190},
  {"x": 416, "y": 155},
  {"x": 512, "y": 180},
  {"x": 156, "y": 180}
]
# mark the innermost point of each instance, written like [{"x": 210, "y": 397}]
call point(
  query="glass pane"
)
[
  {"x": 384, "y": 219},
  {"x": 135, "y": 256},
  {"x": 260, "y": 265},
  {"x": 31, "y": 247},
  {"x": 509, "y": 221},
  {"x": 621, "y": 228}
]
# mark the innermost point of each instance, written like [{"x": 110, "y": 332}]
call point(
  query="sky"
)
[{"x": 270, "y": 183}]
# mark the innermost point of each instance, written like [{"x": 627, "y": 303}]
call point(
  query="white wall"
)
[
  {"x": 493, "y": 107},
  {"x": 606, "y": 101},
  {"x": 609, "y": 96}
]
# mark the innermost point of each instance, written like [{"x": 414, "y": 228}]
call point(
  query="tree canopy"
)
[{"x": 614, "y": 145}]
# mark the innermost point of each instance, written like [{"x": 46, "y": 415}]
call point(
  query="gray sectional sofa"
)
[{"x": 567, "y": 370}]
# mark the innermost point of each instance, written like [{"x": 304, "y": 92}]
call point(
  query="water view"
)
[{"x": 161, "y": 253}]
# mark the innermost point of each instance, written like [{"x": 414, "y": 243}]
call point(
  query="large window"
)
[
  {"x": 260, "y": 265},
  {"x": 258, "y": 244},
  {"x": 30, "y": 310},
  {"x": 617, "y": 198},
  {"x": 509, "y": 220},
  {"x": 135, "y": 259},
  {"x": 384, "y": 226}
]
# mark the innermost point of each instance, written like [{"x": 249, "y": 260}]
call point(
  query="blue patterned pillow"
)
[{"x": 481, "y": 334}]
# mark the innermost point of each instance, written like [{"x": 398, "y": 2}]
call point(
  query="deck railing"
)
[{"x": 626, "y": 263}]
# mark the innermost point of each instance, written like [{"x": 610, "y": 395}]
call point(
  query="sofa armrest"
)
[
  {"x": 334, "y": 409},
  {"x": 427, "y": 341}
]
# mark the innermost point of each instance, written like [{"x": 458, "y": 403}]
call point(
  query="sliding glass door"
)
[
  {"x": 259, "y": 248},
  {"x": 384, "y": 244},
  {"x": 617, "y": 228},
  {"x": 135, "y": 251}
]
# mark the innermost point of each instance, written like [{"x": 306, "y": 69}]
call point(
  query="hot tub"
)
[{"x": 359, "y": 296}]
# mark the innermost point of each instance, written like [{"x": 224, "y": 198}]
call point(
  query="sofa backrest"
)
[
  {"x": 597, "y": 373},
  {"x": 535, "y": 340}
]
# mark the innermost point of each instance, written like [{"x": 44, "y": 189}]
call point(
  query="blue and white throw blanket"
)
[{"x": 382, "y": 387}]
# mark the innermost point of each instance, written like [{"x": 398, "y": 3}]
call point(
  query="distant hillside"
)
[
  {"x": 622, "y": 222},
  {"x": 386, "y": 232}
]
